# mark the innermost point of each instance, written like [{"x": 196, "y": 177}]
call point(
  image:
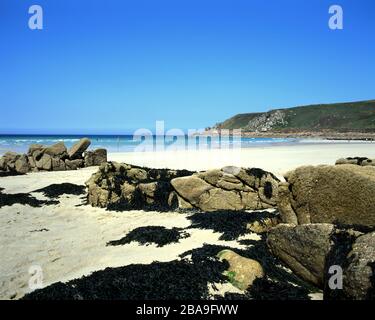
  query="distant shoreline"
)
[{"x": 323, "y": 135}]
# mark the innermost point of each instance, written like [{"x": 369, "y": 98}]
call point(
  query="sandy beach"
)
[{"x": 68, "y": 239}]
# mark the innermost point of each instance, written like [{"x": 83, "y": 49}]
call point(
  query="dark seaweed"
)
[
  {"x": 268, "y": 190},
  {"x": 342, "y": 245},
  {"x": 371, "y": 290},
  {"x": 151, "y": 234},
  {"x": 56, "y": 190},
  {"x": 7, "y": 199},
  {"x": 171, "y": 280},
  {"x": 10, "y": 174},
  {"x": 175, "y": 280},
  {"x": 231, "y": 223},
  {"x": 360, "y": 159}
]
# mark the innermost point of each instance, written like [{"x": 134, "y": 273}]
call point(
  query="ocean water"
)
[{"x": 129, "y": 143}]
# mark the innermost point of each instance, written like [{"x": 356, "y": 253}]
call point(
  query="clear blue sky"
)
[{"x": 108, "y": 66}]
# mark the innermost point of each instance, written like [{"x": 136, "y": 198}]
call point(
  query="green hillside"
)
[{"x": 356, "y": 116}]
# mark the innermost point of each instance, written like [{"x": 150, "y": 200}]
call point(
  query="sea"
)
[{"x": 130, "y": 143}]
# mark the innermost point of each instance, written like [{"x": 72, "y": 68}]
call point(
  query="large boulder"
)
[
  {"x": 22, "y": 164},
  {"x": 242, "y": 272},
  {"x": 75, "y": 152},
  {"x": 95, "y": 158},
  {"x": 303, "y": 248},
  {"x": 329, "y": 194},
  {"x": 57, "y": 150},
  {"x": 44, "y": 163},
  {"x": 8, "y": 161},
  {"x": 339, "y": 260}
]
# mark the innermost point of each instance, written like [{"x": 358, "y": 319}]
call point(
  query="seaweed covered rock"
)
[
  {"x": 124, "y": 186},
  {"x": 95, "y": 158},
  {"x": 329, "y": 194},
  {"x": 360, "y": 161}
]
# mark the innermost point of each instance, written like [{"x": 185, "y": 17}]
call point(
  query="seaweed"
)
[
  {"x": 343, "y": 241},
  {"x": 231, "y": 223},
  {"x": 151, "y": 234},
  {"x": 174, "y": 280},
  {"x": 10, "y": 174},
  {"x": 8, "y": 199},
  {"x": 182, "y": 279},
  {"x": 56, "y": 190}
]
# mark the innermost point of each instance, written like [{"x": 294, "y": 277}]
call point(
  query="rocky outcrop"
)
[
  {"x": 329, "y": 194},
  {"x": 267, "y": 121},
  {"x": 242, "y": 272},
  {"x": 312, "y": 250},
  {"x": 360, "y": 161},
  {"x": 52, "y": 158},
  {"x": 230, "y": 188}
]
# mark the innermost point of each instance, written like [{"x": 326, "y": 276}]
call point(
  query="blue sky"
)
[{"x": 114, "y": 65}]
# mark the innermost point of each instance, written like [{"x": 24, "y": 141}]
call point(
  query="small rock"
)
[{"x": 242, "y": 271}]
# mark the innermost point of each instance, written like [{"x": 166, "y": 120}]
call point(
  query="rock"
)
[
  {"x": 242, "y": 271},
  {"x": 95, "y": 158},
  {"x": 22, "y": 164},
  {"x": 359, "y": 275},
  {"x": 9, "y": 161},
  {"x": 360, "y": 161},
  {"x": 57, "y": 150},
  {"x": 137, "y": 174},
  {"x": 32, "y": 163},
  {"x": 284, "y": 204},
  {"x": 58, "y": 164},
  {"x": 191, "y": 188},
  {"x": 44, "y": 163},
  {"x": 34, "y": 147},
  {"x": 329, "y": 194},
  {"x": 303, "y": 248},
  {"x": 78, "y": 148},
  {"x": 2, "y": 164},
  {"x": 73, "y": 164}
]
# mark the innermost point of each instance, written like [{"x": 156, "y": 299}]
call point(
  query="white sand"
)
[
  {"x": 277, "y": 159},
  {"x": 75, "y": 241}
]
